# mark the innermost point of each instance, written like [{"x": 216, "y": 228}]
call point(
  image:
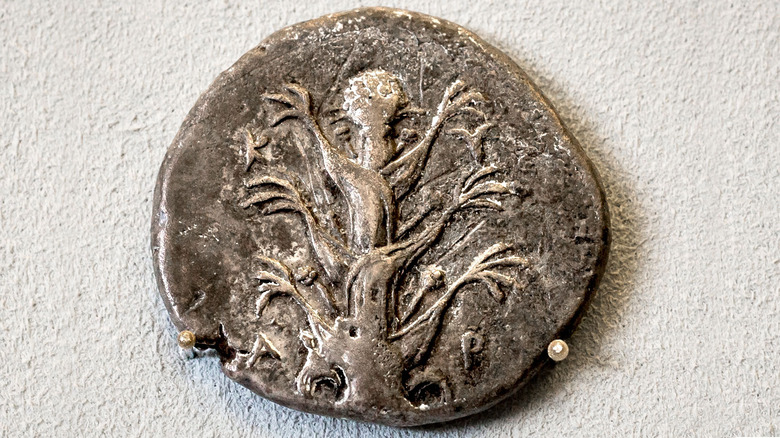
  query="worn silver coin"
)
[{"x": 376, "y": 215}]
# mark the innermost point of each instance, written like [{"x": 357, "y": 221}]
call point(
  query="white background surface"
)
[{"x": 676, "y": 103}]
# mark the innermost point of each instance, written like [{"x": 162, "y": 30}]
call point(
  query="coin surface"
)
[{"x": 376, "y": 215}]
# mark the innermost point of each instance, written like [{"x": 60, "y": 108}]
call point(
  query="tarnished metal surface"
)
[{"x": 376, "y": 215}]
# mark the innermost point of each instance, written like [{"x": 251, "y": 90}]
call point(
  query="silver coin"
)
[{"x": 376, "y": 215}]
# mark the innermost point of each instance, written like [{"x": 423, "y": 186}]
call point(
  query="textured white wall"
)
[{"x": 677, "y": 104}]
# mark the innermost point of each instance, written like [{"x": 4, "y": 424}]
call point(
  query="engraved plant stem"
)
[
  {"x": 480, "y": 270},
  {"x": 330, "y": 250},
  {"x": 371, "y": 264}
]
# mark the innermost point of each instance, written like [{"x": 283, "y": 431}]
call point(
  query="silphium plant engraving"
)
[{"x": 360, "y": 339}]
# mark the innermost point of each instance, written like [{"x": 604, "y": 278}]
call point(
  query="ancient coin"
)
[{"x": 376, "y": 215}]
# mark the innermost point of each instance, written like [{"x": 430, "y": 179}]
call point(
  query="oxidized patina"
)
[{"x": 376, "y": 215}]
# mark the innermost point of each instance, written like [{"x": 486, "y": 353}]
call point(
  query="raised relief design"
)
[
  {"x": 471, "y": 343},
  {"x": 362, "y": 340}
]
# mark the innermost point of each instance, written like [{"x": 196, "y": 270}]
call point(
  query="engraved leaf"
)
[
  {"x": 290, "y": 201},
  {"x": 278, "y": 97},
  {"x": 502, "y": 279},
  {"x": 263, "y": 299},
  {"x": 478, "y": 175},
  {"x": 469, "y": 97},
  {"x": 252, "y": 146},
  {"x": 470, "y": 198},
  {"x": 473, "y": 139},
  {"x": 454, "y": 88},
  {"x": 276, "y": 264},
  {"x": 284, "y": 115},
  {"x": 507, "y": 261},
  {"x": 481, "y": 270},
  {"x": 269, "y": 180},
  {"x": 263, "y": 197},
  {"x": 495, "y": 249},
  {"x": 472, "y": 110},
  {"x": 490, "y": 187},
  {"x": 273, "y": 284},
  {"x": 494, "y": 290},
  {"x": 456, "y": 101},
  {"x": 301, "y": 93},
  {"x": 296, "y": 97},
  {"x": 483, "y": 203}
]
